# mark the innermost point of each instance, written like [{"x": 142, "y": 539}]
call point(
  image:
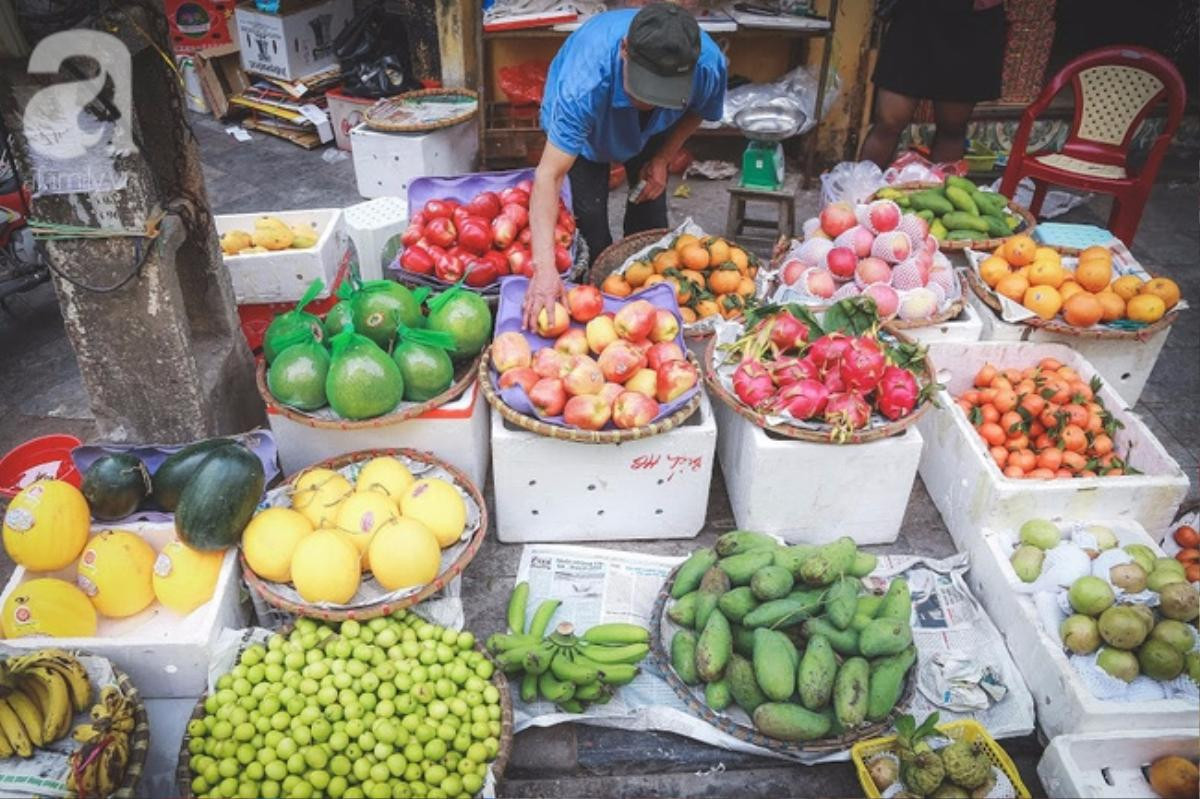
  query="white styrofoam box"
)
[
  {"x": 1064, "y": 702},
  {"x": 967, "y": 326},
  {"x": 370, "y": 225},
  {"x": 456, "y": 432},
  {"x": 284, "y": 275},
  {"x": 294, "y": 43},
  {"x": 168, "y": 720},
  {"x": 971, "y": 492},
  {"x": 814, "y": 493},
  {"x": 1123, "y": 364},
  {"x": 552, "y": 490},
  {"x": 1109, "y": 765},
  {"x": 165, "y": 654},
  {"x": 385, "y": 163},
  {"x": 346, "y": 113}
]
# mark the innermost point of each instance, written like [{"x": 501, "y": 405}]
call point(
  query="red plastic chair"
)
[{"x": 1115, "y": 88}]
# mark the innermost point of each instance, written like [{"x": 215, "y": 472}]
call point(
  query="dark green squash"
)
[
  {"x": 220, "y": 498},
  {"x": 114, "y": 485},
  {"x": 172, "y": 475}
]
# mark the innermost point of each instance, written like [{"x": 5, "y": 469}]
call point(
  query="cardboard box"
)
[
  {"x": 296, "y": 42},
  {"x": 219, "y": 71},
  {"x": 198, "y": 24}
]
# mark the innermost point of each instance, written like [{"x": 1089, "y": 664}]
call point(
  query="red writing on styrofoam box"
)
[{"x": 673, "y": 464}]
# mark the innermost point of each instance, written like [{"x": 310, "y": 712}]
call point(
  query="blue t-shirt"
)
[{"x": 585, "y": 110}]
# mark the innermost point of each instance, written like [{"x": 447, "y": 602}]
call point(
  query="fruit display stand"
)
[
  {"x": 283, "y": 275},
  {"x": 1111, "y": 765},
  {"x": 557, "y": 489},
  {"x": 1065, "y": 703},
  {"x": 970, "y": 491},
  {"x": 165, "y": 654}
]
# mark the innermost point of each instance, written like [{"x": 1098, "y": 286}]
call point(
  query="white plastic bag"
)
[{"x": 851, "y": 182}]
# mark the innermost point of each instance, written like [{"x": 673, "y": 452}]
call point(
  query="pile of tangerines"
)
[
  {"x": 710, "y": 276},
  {"x": 1044, "y": 422},
  {"x": 1035, "y": 277}
]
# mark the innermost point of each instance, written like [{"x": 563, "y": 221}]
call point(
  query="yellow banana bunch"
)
[
  {"x": 98, "y": 767},
  {"x": 39, "y": 693}
]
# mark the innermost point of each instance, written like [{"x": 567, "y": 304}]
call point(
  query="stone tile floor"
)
[{"x": 43, "y": 394}]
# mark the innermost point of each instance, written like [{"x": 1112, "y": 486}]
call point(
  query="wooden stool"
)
[{"x": 782, "y": 225}]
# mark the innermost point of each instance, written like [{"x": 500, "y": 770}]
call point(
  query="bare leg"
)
[
  {"x": 951, "y": 131},
  {"x": 893, "y": 112}
]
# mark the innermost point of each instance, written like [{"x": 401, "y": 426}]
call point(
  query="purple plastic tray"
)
[
  {"x": 508, "y": 318},
  {"x": 463, "y": 187}
]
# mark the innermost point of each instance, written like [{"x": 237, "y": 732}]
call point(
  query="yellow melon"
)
[
  {"x": 404, "y": 553},
  {"x": 270, "y": 539},
  {"x": 362, "y": 514},
  {"x": 48, "y": 606},
  {"x": 46, "y": 525},
  {"x": 185, "y": 578},
  {"x": 387, "y": 476},
  {"x": 325, "y": 568},
  {"x": 116, "y": 572},
  {"x": 438, "y": 505},
  {"x": 317, "y": 494}
]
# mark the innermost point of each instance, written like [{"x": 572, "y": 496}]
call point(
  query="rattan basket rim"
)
[
  {"x": 373, "y": 120},
  {"x": 957, "y": 246}
]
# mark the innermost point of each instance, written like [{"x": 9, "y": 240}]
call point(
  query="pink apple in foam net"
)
[
  {"x": 860, "y": 240},
  {"x": 522, "y": 376},
  {"x": 573, "y": 342},
  {"x": 872, "y": 270},
  {"x": 662, "y": 352},
  {"x": 886, "y": 299},
  {"x": 819, "y": 282},
  {"x": 892, "y": 247},
  {"x": 644, "y": 381},
  {"x": 792, "y": 270},
  {"x": 836, "y": 218},
  {"x": 918, "y": 303},
  {"x": 585, "y": 376},
  {"x": 550, "y": 363},
  {"x": 812, "y": 227},
  {"x": 587, "y": 412},
  {"x": 884, "y": 215},
  {"x": 548, "y": 397},
  {"x": 633, "y": 409},
  {"x": 841, "y": 262}
]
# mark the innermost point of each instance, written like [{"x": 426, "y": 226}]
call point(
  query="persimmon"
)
[
  {"x": 1102, "y": 445},
  {"x": 987, "y": 396},
  {"x": 1019, "y": 441},
  {"x": 1073, "y": 438},
  {"x": 1050, "y": 458},
  {"x": 971, "y": 396},
  {"x": 1023, "y": 458},
  {"x": 1011, "y": 422},
  {"x": 999, "y": 455},
  {"x": 1073, "y": 461},
  {"x": 1042, "y": 474},
  {"x": 1049, "y": 365},
  {"x": 1005, "y": 399},
  {"x": 1033, "y": 404},
  {"x": 990, "y": 414},
  {"x": 1014, "y": 471},
  {"x": 1186, "y": 536},
  {"x": 992, "y": 434},
  {"x": 1001, "y": 382},
  {"x": 1076, "y": 414},
  {"x": 1064, "y": 473},
  {"x": 985, "y": 376},
  {"x": 1036, "y": 428}
]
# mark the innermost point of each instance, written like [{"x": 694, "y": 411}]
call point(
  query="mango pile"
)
[
  {"x": 958, "y": 210},
  {"x": 789, "y": 636},
  {"x": 270, "y": 233}
]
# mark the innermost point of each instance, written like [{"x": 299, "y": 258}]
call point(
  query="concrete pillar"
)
[{"x": 162, "y": 357}]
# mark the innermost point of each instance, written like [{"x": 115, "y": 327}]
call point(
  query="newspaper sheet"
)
[{"x": 607, "y": 585}]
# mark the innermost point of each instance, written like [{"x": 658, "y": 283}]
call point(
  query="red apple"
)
[
  {"x": 510, "y": 351},
  {"x": 662, "y": 352},
  {"x": 841, "y": 261},
  {"x": 504, "y": 231},
  {"x": 611, "y": 391},
  {"x": 585, "y": 376},
  {"x": 519, "y": 260},
  {"x": 555, "y": 328},
  {"x": 837, "y": 218},
  {"x": 548, "y": 397},
  {"x": 587, "y": 412},
  {"x": 819, "y": 282},
  {"x": 519, "y": 214},
  {"x": 572, "y": 342},
  {"x": 675, "y": 378},
  {"x": 644, "y": 381},
  {"x": 584, "y": 303},
  {"x": 792, "y": 271},
  {"x": 666, "y": 326},
  {"x": 522, "y": 376},
  {"x": 600, "y": 333},
  {"x": 549, "y": 362},
  {"x": 635, "y": 320},
  {"x": 620, "y": 361},
  {"x": 632, "y": 409}
]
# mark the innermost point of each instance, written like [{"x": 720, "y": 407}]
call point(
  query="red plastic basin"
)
[{"x": 27, "y": 457}]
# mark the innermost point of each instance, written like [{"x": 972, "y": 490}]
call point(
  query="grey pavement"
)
[{"x": 43, "y": 394}]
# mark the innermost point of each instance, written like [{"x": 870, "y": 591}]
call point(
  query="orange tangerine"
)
[
  {"x": 1046, "y": 273},
  {"x": 1148, "y": 308},
  {"x": 637, "y": 273},
  {"x": 616, "y": 285},
  {"x": 684, "y": 240},
  {"x": 1013, "y": 286},
  {"x": 1045, "y": 301},
  {"x": 718, "y": 251},
  {"x": 1019, "y": 250},
  {"x": 992, "y": 268},
  {"x": 1068, "y": 288},
  {"x": 694, "y": 256},
  {"x": 739, "y": 258},
  {"x": 1082, "y": 310},
  {"x": 1113, "y": 305},
  {"x": 667, "y": 259},
  {"x": 687, "y": 314},
  {"x": 1047, "y": 254},
  {"x": 1094, "y": 274},
  {"x": 1127, "y": 286},
  {"x": 1164, "y": 288},
  {"x": 1096, "y": 253}
]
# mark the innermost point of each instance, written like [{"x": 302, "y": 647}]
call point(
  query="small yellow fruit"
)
[
  {"x": 438, "y": 505},
  {"x": 270, "y": 539},
  {"x": 116, "y": 572},
  {"x": 185, "y": 578},
  {"x": 48, "y": 606},
  {"x": 387, "y": 476},
  {"x": 1046, "y": 273},
  {"x": 1147, "y": 308},
  {"x": 272, "y": 233},
  {"x": 362, "y": 514},
  {"x": 325, "y": 568},
  {"x": 46, "y": 525},
  {"x": 1127, "y": 286},
  {"x": 318, "y": 493},
  {"x": 1045, "y": 301},
  {"x": 1164, "y": 288},
  {"x": 404, "y": 553},
  {"x": 303, "y": 236},
  {"x": 992, "y": 269},
  {"x": 234, "y": 242},
  {"x": 1047, "y": 254},
  {"x": 1069, "y": 289}
]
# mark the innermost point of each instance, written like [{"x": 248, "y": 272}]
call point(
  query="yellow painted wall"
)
[{"x": 852, "y": 29}]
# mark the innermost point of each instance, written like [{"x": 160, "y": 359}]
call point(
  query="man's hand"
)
[
  {"x": 654, "y": 172},
  {"x": 545, "y": 289}
]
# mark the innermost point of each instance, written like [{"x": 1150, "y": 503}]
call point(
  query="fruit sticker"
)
[
  {"x": 18, "y": 519},
  {"x": 22, "y": 615},
  {"x": 162, "y": 565},
  {"x": 85, "y": 584}
]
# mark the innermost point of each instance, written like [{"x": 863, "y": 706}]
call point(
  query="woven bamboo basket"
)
[
  {"x": 746, "y": 732},
  {"x": 1029, "y": 221},
  {"x": 391, "y": 116},
  {"x": 862, "y": 436},
  {"x": 464, "y": 374},
  {"x": 1059, "y": 326},
  {"x": 570, "y": 433},
  {"x": 380, "y": 607},
  {"x": 183, "y": 772}
]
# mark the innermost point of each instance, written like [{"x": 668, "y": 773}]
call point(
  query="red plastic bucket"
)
[{"x": 27, "y": 457}]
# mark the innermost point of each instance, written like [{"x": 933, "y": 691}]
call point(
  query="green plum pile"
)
[
  {"x": 789, "y": 635},
  {"x": 393, "y": 707}
]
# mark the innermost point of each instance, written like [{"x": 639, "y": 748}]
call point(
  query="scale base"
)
[{"x": 762, "y": 166}]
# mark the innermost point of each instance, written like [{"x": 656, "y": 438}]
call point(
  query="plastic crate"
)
[
  {"x": 966, "y": 730},
  {"x": 1109, "y": 765}
]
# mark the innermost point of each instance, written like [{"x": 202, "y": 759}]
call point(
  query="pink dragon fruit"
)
[
  {"x": 833, "y": 381},
  {"x": 752, "y": 383},
  {"x": 897, "y": 393},
  {"x": 827, "y": 351},
  {"x": 847, "y": 411},
  {"x": 788, "y": 332},
  {"x": 804, "y": 399},
  {"x": 862, "y": 365},
  {"x": 907, "y": 275},
  {"x": 789, "y": 369}
]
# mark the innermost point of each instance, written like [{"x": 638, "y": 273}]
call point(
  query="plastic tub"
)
[{"x": 26, "y": 462}]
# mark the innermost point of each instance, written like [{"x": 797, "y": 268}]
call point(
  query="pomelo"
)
[
  {"x": 362, "y": 382},
  {"x": 404, "y": 553},
  {"x": 466, "y": 317},
  {"x": 297, "y": 376},
  {"x": 438, "y": 505},
  {"x": 325, "y": 568},
  {"x": 380, "y": 306},
  {"x": 270, "y": 539},
  {"x": 426, "y": 369}
]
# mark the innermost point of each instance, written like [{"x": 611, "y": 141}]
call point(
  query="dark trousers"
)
[{"x": 589, "y": 198}]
